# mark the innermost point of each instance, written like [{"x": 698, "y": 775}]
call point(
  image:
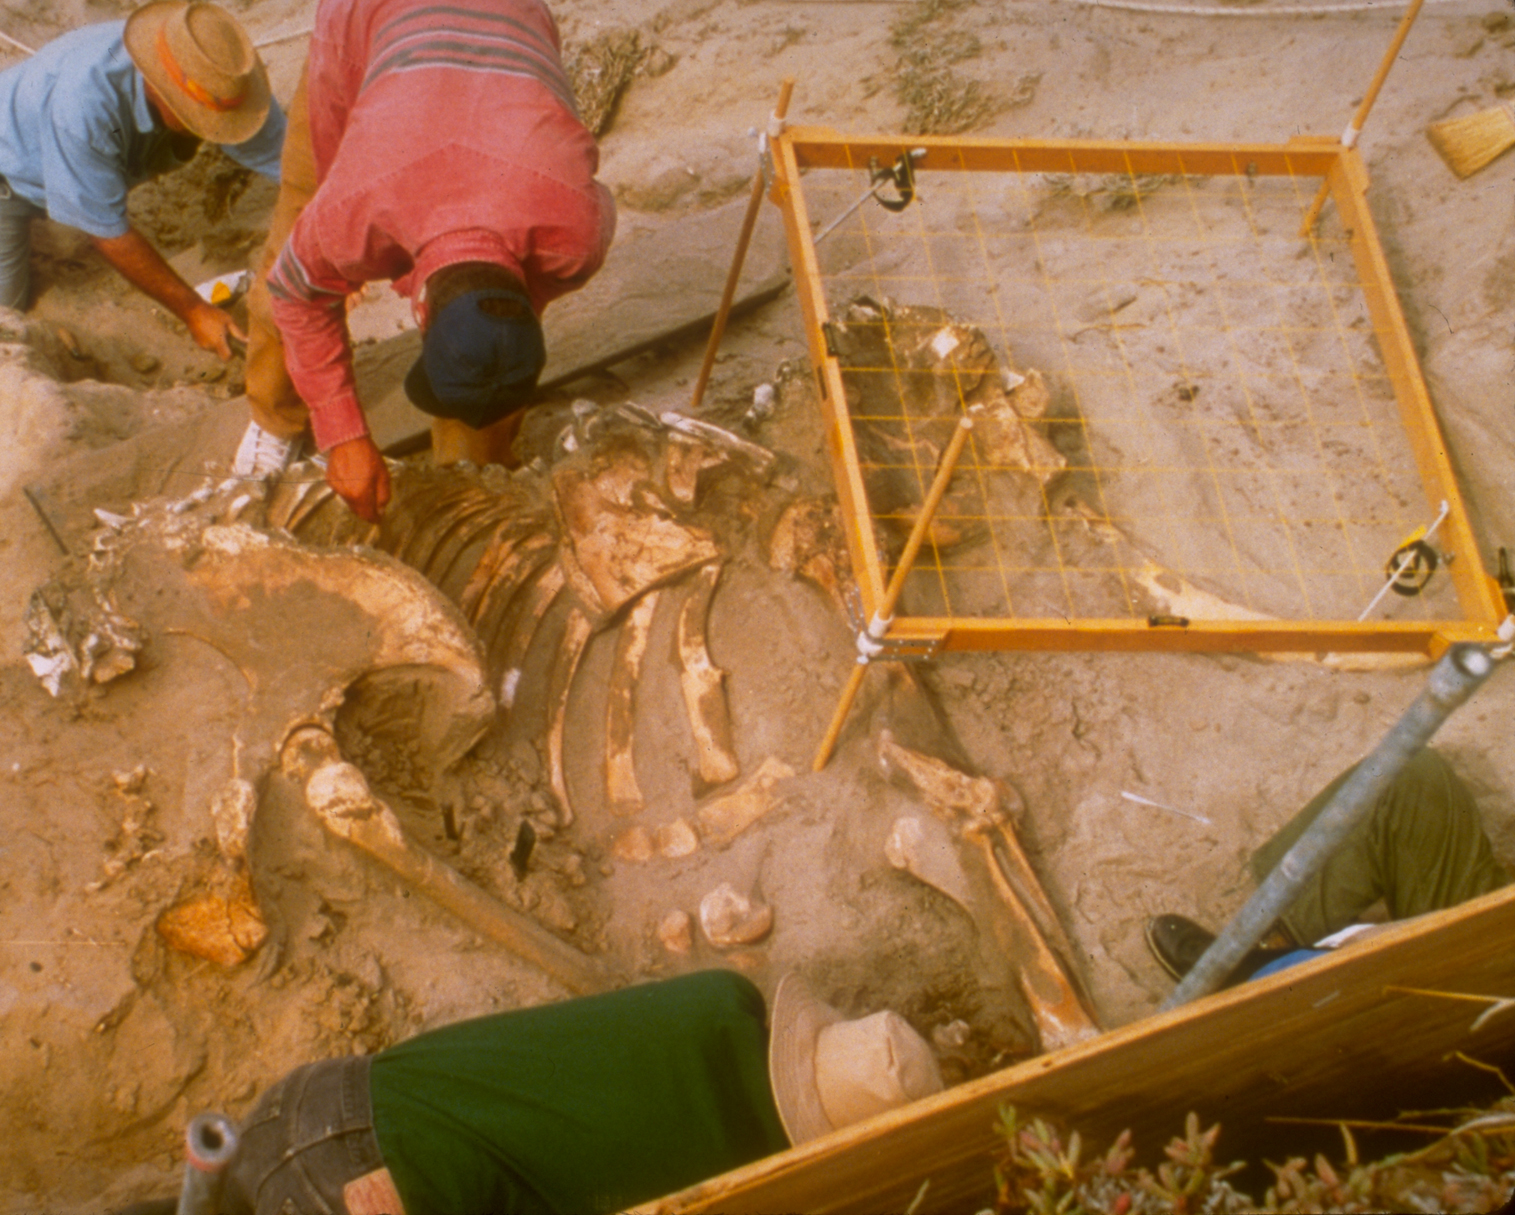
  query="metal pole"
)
[
  {"x": 1456, "y": 677},
  {"x": 210, "y": 1143}
]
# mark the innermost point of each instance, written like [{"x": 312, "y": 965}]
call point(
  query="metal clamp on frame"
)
[
  {"x": 901, "y": 175},
  {"x": 873, "y": 644}
]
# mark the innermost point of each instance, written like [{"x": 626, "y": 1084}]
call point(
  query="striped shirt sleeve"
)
[{"x": 310, "y": 309}]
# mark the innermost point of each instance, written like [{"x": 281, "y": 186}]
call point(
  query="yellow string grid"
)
[{"x": 1194, "y": 429}]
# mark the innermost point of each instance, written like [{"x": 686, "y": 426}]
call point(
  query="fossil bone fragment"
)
[
  {"x": 760, "y": 457},
  {"x": 221, "y": 923},
  {"x": 306, "y": 630},
  {"x": 941, "y": 367},
  {"x": 303, "y": 626},
  {"x": 704, "y": 685},
  {"x": 807, "y": 541},
  {"x": 729, "y": 918},
  {"x": 724, "y": 818},
  {"x": 925, "y": 849},
  {"x": 232, "y": 811},
  {"x": 467, "y": 525},
  {"x": 75, "y": 644},
  {"x": 687, "y": 459},
  {"x": 676, "y": 839},
  {"x": 503, "y": 552},
  {"x": 634, "y": 845},
  {"x": 543, "y": 594},
  {"x": 137, "y": 837},
  {"x": 523, "y": 568},
  {"x": 621, "y": 539},
  {"x": 948, "y": 791},
  {"x": 340, "y": 797},
  {"x": 416, "y": 532},
  {"x": 219, "y": 920},
  {"x": 676, "y": 932}
]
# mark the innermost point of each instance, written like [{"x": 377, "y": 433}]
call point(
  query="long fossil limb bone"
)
[
  {"x": 973, "y": 802},
  {"x": 339, "y": 795}
]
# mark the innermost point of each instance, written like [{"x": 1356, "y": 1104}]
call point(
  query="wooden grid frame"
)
[{"x": 799, "y": 156}]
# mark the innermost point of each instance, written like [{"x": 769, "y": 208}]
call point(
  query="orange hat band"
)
[{"x": 193, "y": 89}]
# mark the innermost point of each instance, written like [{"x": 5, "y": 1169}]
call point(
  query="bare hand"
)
[
  {"x": 356, "y": 471},
  {"x": 210, "y": 327}
]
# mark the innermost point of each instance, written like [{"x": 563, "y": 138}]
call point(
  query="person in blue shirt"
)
[{"x": 108, "y": 106}]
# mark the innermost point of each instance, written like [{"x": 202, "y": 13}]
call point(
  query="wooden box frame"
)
[{"x": 1366, "y": 1032}]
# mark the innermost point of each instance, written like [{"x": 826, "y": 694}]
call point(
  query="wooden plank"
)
[
  {"x": 660, "y": 283},
  {"x": 1335, "y": 1038}
]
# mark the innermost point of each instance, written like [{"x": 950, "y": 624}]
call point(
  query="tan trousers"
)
[{"x": 271, "y": 395}]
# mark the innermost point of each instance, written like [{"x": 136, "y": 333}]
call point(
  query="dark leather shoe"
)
[{"x": 1178, "y": 943}]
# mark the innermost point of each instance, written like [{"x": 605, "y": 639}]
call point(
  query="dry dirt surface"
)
[{"x": 110, "y": 1038}]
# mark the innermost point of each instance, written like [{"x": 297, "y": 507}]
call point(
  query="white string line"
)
[{"x": 1288, "y": 10}]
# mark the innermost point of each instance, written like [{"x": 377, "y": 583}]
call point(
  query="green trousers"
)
[{"x": 1422, "y": 848}]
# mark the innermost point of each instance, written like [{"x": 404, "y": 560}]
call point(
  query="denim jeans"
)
[
  {"x": 308, "y": 1136},
  {"x": 16, "y": 215}
]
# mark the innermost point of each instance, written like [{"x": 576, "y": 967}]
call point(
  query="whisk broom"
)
[{"x": 1472, "y": 141}]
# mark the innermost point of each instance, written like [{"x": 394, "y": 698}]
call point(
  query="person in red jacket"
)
[{"x": 437, "y": 147}]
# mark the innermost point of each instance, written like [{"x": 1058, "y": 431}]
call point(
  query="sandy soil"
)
[{"x": 112, "y": 1040}]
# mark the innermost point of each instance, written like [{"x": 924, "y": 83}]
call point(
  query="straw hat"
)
[
  {"x": 828, "y": 1072},
  {"x": 203, "y": 65}
]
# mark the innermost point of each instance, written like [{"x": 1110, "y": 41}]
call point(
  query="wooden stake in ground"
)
[
  {"x": 879, "y": 625},
  {"x": 1472, "y": 141},
  {"x": 748, "y": 222},
  {"x": 1354, "y": 128}
]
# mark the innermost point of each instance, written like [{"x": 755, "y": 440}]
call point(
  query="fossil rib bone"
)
[
  {"x": 575, "y": 637},
  {"x": 621, "y": 788},
  {"x": 704, "y": 685}
]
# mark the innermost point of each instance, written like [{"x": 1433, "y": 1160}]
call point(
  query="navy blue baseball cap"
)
[{"x": 480, "y": 358}]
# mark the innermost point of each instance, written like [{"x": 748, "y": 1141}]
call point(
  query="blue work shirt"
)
[{"x": 76, "y": 131}]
